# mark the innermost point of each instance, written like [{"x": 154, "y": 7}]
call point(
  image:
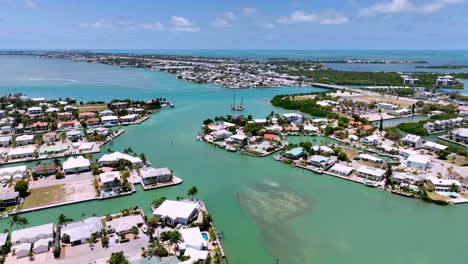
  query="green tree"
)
[
  {"x": 17, "y": 221},
  {"x": 192, "y": 192},
  {"x": 62, "y": 219},
  {"x": 22, "y": 187},
  {"x": 118, "y": 258}
]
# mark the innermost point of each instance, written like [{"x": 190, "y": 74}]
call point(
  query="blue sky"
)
[{"x": 210, "y": 24}]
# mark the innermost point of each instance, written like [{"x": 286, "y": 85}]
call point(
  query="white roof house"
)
[
  {"x": 221, "y": 134},
  {"x": 106, "y": 113},
  {"x": 109, "y": 159},
  {"x": 41, "y": 246},
  {"x": 24, "y": 138},
  {"x": 195, "y": 254},
  {"x": 370, "y": 172},
  {"x": 123, "y": 225},
  {"x": 443, "y": 184},
  {"x": 293, "y": 117},
  {"x": 341, "y": 169},
  {"x": 368, "y": 157},
  {"x": 80, "y": 231},
  {"x": 75, "y": 165},
  {"x": 10, "y": 171},
  {"x": 110, "y": 176},
  {"x": 237, "y": 138},
  {"x": 413, "y": 140},
  {"x": 418, "y": 162},
  {"x": 109, "y": 118},
  {"x": 323, "y": 149},
  {"x": 176, "y": 212},
  {"x": 434, "y": 146},
  {"x": 373, "y": 139},
  {"x": 3, "y": 239},
  {"x": 22, "y": 250},
  {"x": 192, "y": 238},
  {"x": 32, "y": 234},
  {"x": 21, "y": 152}
]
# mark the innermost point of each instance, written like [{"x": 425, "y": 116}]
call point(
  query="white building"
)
[
  {"x": 24, "y": 140},
  {"x": 110, "y": 180},
  {"x": 123, "y": 225},
  {"x": 5, "y": 141},
  {"x": 443, "y": 185},
  {"x": 129, "y": 118},
  {"x": 370, "y": 140},
  {"x": 322, "y": 149},
  {"x": 151, "y": 175},
  {"x": 21, "y": 153},
  {"x": 114, "y": 158},
  {"x": 461, "y": 134},
  {"x": 370, "y": 173},
  {"x": 34, "y": 110},
  {"x": 403, "y": 177},
  {"x": 41, "y": 246},
  {"x": 3, "y": 239},
  {"x": 434, "y": 146},
  {"x": 238, "y": 139},
  {"x": 106, "y": 113},
  {"x": 111, "y": 120},
  {"x": 22, "y": 250},
  {"x": 80, "y": 231},
  {"x": 368, "y": 157},
  {"x": 413, "y": 140},
  {"x": 76, "y": 165},
  {"x": 18, "y": 172},
  {"x": 173, "y": 213},
  {"x": 32, "y": 234},
  {"x": 221, "y": 134},
  {"x": 192, "y": 238},
  {"x": 341, "y": 169},
  {"x": 293, "y": 117},
  {"x": 387, "y": 106},
  {"x": 418, "y": 162}
]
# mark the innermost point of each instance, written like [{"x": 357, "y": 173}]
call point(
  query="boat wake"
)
[{"x": 54, "y": 80}]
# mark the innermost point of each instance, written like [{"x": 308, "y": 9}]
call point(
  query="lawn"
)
[
  {"x": 350, "y": 153},
  {"x": 92, "y": 107},
  {"x": 44, "y": 196}
]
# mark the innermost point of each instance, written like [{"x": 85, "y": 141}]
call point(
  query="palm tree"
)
[
  {"x": 62, "y": 219},
  {"x": 17, "y": 220},
  {"x": 192, "y": 191},
  {"x": 175, "y": 238}
]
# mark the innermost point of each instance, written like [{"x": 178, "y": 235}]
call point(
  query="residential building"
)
[
  {"x": 32, "y": 234},
  {"x": 106, "y": 113},
  {"x": 45, "y": 169},
  {"x": 151, "y": 175},
  {"x": 41, "y": 246},
  {"x": 21, "y": 153},
  {"x": 9, "y": 172},
  {"x": 86, "y": 115},
  {"x": 368, "y": 157},
  {"x": 387, "y": 106},
  {"x": 370, "y": 140},
  {"x": 370, "y": 173},
  {"x": 418, "y": 162},
  {"x": 39, "y": 126},
  {"x": 413, "y": 140},
  {"x": 444, "y": 185},
  {"x": 110, "y": 181},
  {"x": 7, "y": 130},
  {"x": 321, "y": 161},
  {"x": 114, "y": 158},
  {"x": 81, "y": 231},
  {"x": 461, "y": 134},
  {"x": 24, "y": 140},
  {"x": 99, "y": 131},
  {"x": 119, "y": 105},
  {"x": 108, "y": 121},
  {"x": 135, "y": 110},
  {"x": 192, "y": 238},
  {"x": 403, "y": 177},
  {"x": 293, "y": 117},
  {"x": 434, "y": 146},
  {"x": 173, "y": 213},
  {"x": 93, "y": 121},
  {"x": 3, "y": 240},
  {"x": 445, "y": 80},
  {"x": 295, "y": 153},
  {"x": 9, "y": 198},
  {"x": 322, "y": 149},
  {"x": 402, "y": 112},
  {"x": 74, "y": 135},
  {"x": 64, "y": 116},
  {"x": 220, "y": 134},
  {"x": 123, "y": 225},
  {"x": 34, "y": 110},
  {"x": 237, "y": 139},
  {"x": 76, "y": 165},
  {"x": 130, "y": 118},
  {"x": 22, "y": 250},
  {"x": 5, "y": 141},
  {"x": 341, "y": 169}
]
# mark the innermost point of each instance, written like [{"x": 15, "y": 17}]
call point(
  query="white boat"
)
[
  {"x": 171, "y": 104},
  {"x": 144, "y": 228},
  {"x": 370, "y": 184},
  {"x": 231, "y": 149},
  {"x": 317, "y": 170}
]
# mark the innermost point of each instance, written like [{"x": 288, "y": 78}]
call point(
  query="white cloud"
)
[
  {"x": 249, "y": 11},
  {"x": 31, "y": 4},
  {"x": 299, "y": 16},
  {"x": 101, "y": 23},
  {"x": 182, "y": 24},
  {"x": 402, "y": 6},
  {"x": 224, "y": 20},
  {"x": 155, "y": 26}
]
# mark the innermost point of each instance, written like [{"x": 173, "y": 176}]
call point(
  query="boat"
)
[
  {"x": 370, "y": 184},
  {"x": 317, "y": 170},
  {"x": 231, "y": 149},
  {"x": 239, "y": 107},
  {"x": 171, "y": 104}
]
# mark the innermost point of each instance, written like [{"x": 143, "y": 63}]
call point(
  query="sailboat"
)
[{"x": 239, "y": 107}]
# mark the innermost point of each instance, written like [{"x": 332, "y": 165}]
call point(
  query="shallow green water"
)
[{"x": 266, "y": 209}]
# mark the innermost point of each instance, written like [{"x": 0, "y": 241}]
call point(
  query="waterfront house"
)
[
  {"x": 123, "y": 225},
  {"x": 237, "y": 139},
  {"x": 192, "y": 238},
  {"x": 135, "y": 110},
  {"x": 108, "y": 121},
  {"x": 368, "y": 157},
  {"x": 403, "y": 177},
  {"x": 8, "y": 172},
  {"x": 74, "y": 135},
  {"x": 260, "y": 121},
  {"x": 413, "y": 140},
  {"x": 445, "y": 80},
  {"x": 130, "y": 118},
  {"x": 76, "y": 165},
  {"x": 32, "y": 234},
  {"x": 93, "y": 121},
  {"x": 86, "y": 115},
  {"x": 321, "y": 161},
  {"x": 151, "y": 175},
  {"x": 106, "y": 113},
  {"x": 110, "y": 181},
  {"x": 69, "y": 108},
  {"x": 24, "y": 140},
  {"x": 5, "y": 141},
  {"x": 220, "y": 134},
  {"x": 119, "y": 105},
  {"x": 81, "y": 231},
  {"x": 406, "y": 152},
  {"x": 67, "y": 124},
  {"x": 3, "y": 240},
  {"x": 341, "y": 169},
  {"x": 461, "y": 134},
  {"x": 434, "y": 146},
  {"x": 52, "y": 110},
  {"x": 39, "y": 126},
  {"x": 173, "y": 213},
  {"x": 41, "y": 246},
  {"x": 7, "y": 130},
  {"x": 64, "y": 116},
  {"x": 114, "y": 158},
  {"x": 45, "y": 169},
  {"x": 418, "y": 162},
  {"x": 52, "y": 149},
  {"x": 271, "y": 137},
  {"x": 370, "y": 173},
  {"x": 21, "y": 153},
  {"x": 295, "y": 153},
  {"x": 34, "y": 111},
  {"x": 9, "y": 198},
  {"x": 293, "y": 117},
  {"x": 443, "y": 185},
  {"x": 22, "y": 250},
  {"x": 323, "y": 149},
  {"x": 370, "y": 140},
  {"x": 402, "y": 112},
  {"x": 39, "y": 100},
  {"x": 99, "y": 131},
  {"x": 387, "y": 106}
]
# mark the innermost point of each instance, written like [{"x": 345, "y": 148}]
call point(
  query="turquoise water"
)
[{"x": 266, "y": 209}]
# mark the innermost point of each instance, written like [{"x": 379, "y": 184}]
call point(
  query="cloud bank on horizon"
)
[{"x": 333, "y": 24}]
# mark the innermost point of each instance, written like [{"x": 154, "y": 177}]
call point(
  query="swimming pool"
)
[{"x": 205, "y": 236}]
